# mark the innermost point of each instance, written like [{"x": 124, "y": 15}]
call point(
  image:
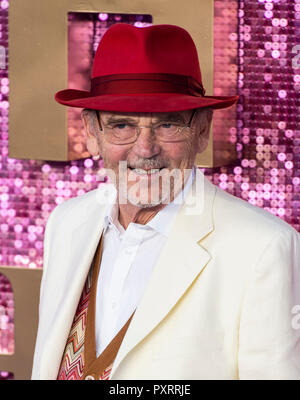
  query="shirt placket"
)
[{"x": 130, "y": 242}]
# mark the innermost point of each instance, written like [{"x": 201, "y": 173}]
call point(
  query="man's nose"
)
[{"x": 146, "y": 145}]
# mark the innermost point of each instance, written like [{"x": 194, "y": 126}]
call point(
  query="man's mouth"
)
[{"x": 141, "y": 172}]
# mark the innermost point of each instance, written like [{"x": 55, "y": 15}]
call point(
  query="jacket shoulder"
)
[
  {"x": 77, "y": 208},
  {"x": 238, "y": 213}
]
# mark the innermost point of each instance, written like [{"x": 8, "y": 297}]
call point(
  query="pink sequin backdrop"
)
[{"x": 265, "y": 74}]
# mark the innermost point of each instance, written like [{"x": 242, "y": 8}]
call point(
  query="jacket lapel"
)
[
  {"x": 85, "y": 232},
  {"x": 180, "y": 262}
]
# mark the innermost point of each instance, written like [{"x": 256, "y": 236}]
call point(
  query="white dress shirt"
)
[{"x": 128, "y": 259}]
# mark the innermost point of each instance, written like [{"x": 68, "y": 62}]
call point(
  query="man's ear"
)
[
  {"x": 89, "y": 120},
  {"x": 203, "y": 121}
]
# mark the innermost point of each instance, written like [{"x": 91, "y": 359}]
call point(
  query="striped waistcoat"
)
[{"x": 79, "y": 360}]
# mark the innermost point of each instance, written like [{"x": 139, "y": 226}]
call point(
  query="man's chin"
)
[
  {"x": 143, "y": 202},
  {"x": 147, "y": 205},
  {"x": 148, "y": 202}
]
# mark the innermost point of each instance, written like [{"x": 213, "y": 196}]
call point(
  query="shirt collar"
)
[
  {"x": 112, "y": 214},
  {"x": 161, "y": 222}
]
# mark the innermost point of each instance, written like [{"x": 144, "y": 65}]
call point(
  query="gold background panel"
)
[
  {"x": 38, "y": 64},
  {"x": 26, "y": 288}
]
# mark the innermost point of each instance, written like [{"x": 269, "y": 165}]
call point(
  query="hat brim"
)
[{"x": 150, "y": 102}]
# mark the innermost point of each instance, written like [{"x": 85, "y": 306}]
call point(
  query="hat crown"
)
[
  {"x": 152, "y": 69},
  {"x": 126, "y": 49}
]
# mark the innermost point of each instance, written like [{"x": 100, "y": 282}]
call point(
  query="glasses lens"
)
[
  {"x": 169, "y": 132},
  {"x": 125, "y": 133},
  {"x": 122, "y": 133}
]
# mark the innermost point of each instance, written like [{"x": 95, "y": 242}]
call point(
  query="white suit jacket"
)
[{"x": 219, "y": 303}]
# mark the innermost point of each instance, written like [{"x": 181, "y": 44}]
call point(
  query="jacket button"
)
[{"x": 89, "y": 378}]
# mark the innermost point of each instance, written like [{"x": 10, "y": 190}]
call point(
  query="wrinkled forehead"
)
[{"x": 181, "y": 116}]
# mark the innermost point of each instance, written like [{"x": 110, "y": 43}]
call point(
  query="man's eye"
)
[
  {"x": 120, "y": 126},
  {"x": 166, "y": 125}
]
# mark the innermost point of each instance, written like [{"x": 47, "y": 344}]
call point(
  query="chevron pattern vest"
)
[{"x": 79, "y": 360}]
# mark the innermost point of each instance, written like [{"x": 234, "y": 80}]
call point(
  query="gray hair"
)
[{"x": 204, "y": 117}]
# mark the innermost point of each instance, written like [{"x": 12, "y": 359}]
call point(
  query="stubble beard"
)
[{"x": 146, "y": 193}]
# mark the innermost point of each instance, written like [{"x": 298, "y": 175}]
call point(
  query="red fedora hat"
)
[{"x": 152, "y": 69}]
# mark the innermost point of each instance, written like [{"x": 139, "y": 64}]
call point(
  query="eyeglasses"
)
[{"x": 126, "y": 133}]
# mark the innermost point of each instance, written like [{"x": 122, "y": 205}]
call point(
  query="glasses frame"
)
[{"x": 138, "y": 128}]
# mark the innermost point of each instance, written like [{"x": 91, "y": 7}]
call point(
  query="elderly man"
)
[{"x": 160, "y": 274}]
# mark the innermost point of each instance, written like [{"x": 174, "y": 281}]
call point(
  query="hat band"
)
[{"x": 146, "y": 83}]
